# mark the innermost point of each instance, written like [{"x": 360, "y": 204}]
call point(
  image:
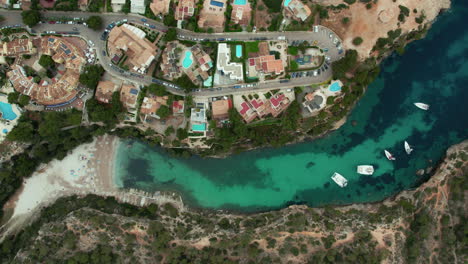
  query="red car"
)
[{"x": 51, "y": 22}]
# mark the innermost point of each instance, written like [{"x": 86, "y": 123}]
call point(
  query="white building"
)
[
  {"x": 137, "y": 6},
  {"x": 233, "y": 69},
  {"x": 117, "y": 5}
]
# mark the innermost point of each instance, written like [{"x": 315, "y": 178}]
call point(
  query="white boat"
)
[
  {"x": 365, "y": 169},
  {"x": 422, "y": 106},
  {"x": 339, "y": 179},
  {"x": 389, "y": 155},
  {"x": 408, "y": 148}
]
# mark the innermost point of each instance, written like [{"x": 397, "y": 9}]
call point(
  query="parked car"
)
[
  {"x": 152, "y": 26},
  {"x": 144, "y": 20}
]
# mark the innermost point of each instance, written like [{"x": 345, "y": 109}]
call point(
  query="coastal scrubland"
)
[{"x": 425, "y": 225}]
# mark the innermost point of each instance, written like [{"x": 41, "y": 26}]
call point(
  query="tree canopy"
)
[
  {"x": 31, "y": 17},
  {"x": 46, "y": 61},
  {"x": 91, "y": 76},
  {"x": 163, "y": 111},
  {"x": 94, "y": 22},
  {"x": 159, "y": 90}
]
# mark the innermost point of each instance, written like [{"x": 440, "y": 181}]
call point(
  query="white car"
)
[{"x": 146, "y": 25}]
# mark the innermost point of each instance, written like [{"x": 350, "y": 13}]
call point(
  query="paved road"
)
[{"x": 320, "y": 36}]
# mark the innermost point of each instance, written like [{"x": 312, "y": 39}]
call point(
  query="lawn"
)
[{"x": 251, "y": 47}]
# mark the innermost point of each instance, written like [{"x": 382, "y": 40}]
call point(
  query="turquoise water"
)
[
  {"x": 199, "y": 127},
  {"x": 335, "y": 87},
  {"x": 238, "y": 51},
  {"x": 240, "y": 2},
  {"x": 384, "y": 118},
  {"x": 187, "y": 62},
  {"x": 286, "y": 2},
  {"x": 208, "y": 82},
  {"x": 7, "y": 111},
  {"x": 5, "y": 131}
]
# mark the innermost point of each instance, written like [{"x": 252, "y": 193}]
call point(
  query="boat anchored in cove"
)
[
  {"x": 365, "y": 169},
  {"x": 408, "y": 148},
  {"x": 422, "y": 106},
  {"x": 339, "y": 179},
  {"x": 389, "y": 155}
]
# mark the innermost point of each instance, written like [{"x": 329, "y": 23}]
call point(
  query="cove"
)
[{"x": 433, "y": 70}]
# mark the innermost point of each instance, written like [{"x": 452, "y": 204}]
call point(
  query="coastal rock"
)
[{"x": 420, "y": 172}]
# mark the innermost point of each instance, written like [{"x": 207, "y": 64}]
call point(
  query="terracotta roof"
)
[{"x": 220, "y": 108}]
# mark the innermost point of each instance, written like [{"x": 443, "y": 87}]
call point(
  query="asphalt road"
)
[{"x": 321, "y": 37}]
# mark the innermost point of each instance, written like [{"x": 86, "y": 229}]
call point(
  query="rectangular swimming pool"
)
[
  {"x": 240, "y": 2},
  {"x": 216, "y": 3},
  {"x": 238, "y": 51},
  {"x": 199, "y": 127}
]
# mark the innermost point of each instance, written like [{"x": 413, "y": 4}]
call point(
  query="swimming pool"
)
[
  {"x": 286, "y": 2},
  {"x": 7, "y": 111},
  {"x": 239, "y": 51},
  {"x": 335, "y": 87},
  {"x": 208, "y": 82},
  {"x": 240, "y": 2},
  {"x": 5, "y": 131},
  {"x": 199, "y": 127},
  {"x": 216, "y": 3},
  {"x": 187, "y": 62}
]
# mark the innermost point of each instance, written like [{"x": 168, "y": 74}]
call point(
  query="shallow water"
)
[{"x": 433, "y": 70}]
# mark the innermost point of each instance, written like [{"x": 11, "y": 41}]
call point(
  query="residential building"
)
[
  {"x": 314, "y": 101},
  {"x": 212, "y": 15},
  {"x": 62, "y": 88},
  {"x": 198, "y": 121},
  {"x": 130, "y": 41},
  {"x": 263, "y": 62},
  {"x": 241, "y": 13},
  {"x": 160, "y": 7},
  {"x": 247, "y": 113},
  {"x": 202, "y": 63},
  {"x": 220, "y": 109},
  {"x": 137, "y": 6},
  {"x": 83, "y": 5},
  {"x": 117, "y": 5},
  {"x": 185, "y": 9},
  {"x": 151, "y": 104},
  {"x": 169, "y": 65},
  {"x": 17, "y": 47},
  {"x": 297, "y": 10},
  {"x": 129, "y": 96},
  {"x": 178, "y": 107},
  {"x": 105, "y": 90},
  {"x": 234, "y": 70},
  {"x": 258, "y": 106}
]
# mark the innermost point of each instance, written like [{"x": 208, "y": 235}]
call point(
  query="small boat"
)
[
  {"x": 389, "y": 155},
  {"x": 422, "y": 106},
  {"x": 365, "y": 169},
  {"x": 408, "y": 148},
  {"x": 339, "y": 179}
]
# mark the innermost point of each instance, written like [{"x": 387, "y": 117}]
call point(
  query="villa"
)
[
  {"x": 137, "y": 6},
  {"x": 241, "y": 12},
  {"x": 263, "y": 62},
  {"x": 170, "y": 60},
  {"x": 184, "y": 9},
  {"x": 220, "y": 109},
  {"x": 105, "y": 90},
  {"x": 296, "y": 10},
  {"x": 258, "y": 106},
  {"x": 130, "y": 41},
  {"x": 151, "y": 105},
  {"x": 17, "y": 47},
  {"x": 212, "y": 15},
  {"x": 178, "y": 107},
  {"x": 198, "y": 120},
  {"x": 129, "y": 96},
  {"x": 232, "y": 69},
  {"x": 314, "y": 101},
  {"x": 160, "y": 7},
  {"x": 198, "y": 65}
]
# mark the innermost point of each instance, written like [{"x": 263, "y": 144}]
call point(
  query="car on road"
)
[
  {"x": 104, "y": 53},
  {"x": 284, "y": 81},
  {"x": 221, "y": 39},
  {"x": 144, "y": 20},
  {"x": 315, "y": 73},
  {"x": 152, "y": 26},
  {"x": 237, "y": 86},
  {"x": 146, "y": 24},
  {"x": 288, "y": 90}
]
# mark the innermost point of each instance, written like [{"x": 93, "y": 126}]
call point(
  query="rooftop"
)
[
  {"x": 104, "y": 91},
  {"x": 220, "y": 108},
  {"x": 160, "y": 7},
  {"x": 234, "y": 70}
]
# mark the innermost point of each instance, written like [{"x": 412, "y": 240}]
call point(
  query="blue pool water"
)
[
  {"x": 187, "y": 62},
  {"x": 335, "y": 87},
  {"x": 5, "y": 131},
  {"x": 199, "y": 127},
  {"x": 286, "y": 2},
  {"x": 240, "y": 2},
  {"x": 216, "y": 3},
  {"x": 7, "y": 111},
  {"x": 208, "y": 82},
  {"x": 238, "y": 51}
]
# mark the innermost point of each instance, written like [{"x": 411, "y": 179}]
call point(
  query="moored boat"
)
[
  {"x": 339, "y": 179},
  {"x": 422, "y": 106},
  {"x": 389, "y": 155},
  {"x": 365, "y": 169},
  {"x": 408, "y": 148}
]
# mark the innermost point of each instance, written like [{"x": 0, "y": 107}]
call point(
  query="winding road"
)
[{"x": 320, "y": 36}]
